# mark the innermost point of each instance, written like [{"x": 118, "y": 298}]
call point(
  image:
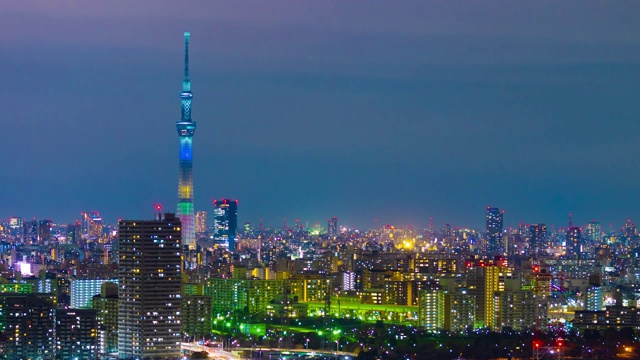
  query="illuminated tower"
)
[{"x": 186, "y": 128}]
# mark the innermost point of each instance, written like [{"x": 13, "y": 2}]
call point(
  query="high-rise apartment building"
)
[
  {"x": 483, "y": 283},
  {"x": 186, "y": 129},
  {"x": 106, "y": 306},
  {"x": 252, "y": 296},
  {"x": 76, "y": 334},
  {"x": 225, "y": 212},
  {"x": 516, "y": 310},
  {"x": 494, "y": 226},
  {"x": 28, "y": 322},
  {"x": 149, "y": 295},
  {"x": 573, "y": 242},
  {"x": 196, "y": 316},
  {"x": 442, "y": 309},
  {"x": 83, "y": 290}
]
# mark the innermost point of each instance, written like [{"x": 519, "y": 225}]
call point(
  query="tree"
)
[{"x": 200, "y": 355}]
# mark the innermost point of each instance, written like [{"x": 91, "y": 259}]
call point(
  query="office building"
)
[
  {"x": 74, "y": 233},
  {"x": 225, "y": 212},
  {"x": 91, "y": 225},
  {"x": 201, "y": 222},
  {"x": 95, "y": 227},
  {"x": 149, "y": 295},
  {"x": 44, "y": 231},
  {"x": 494, "y": 227},
  {"x": 186, "y": 129}
]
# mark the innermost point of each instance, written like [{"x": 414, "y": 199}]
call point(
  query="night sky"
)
[{"x": 390, "y": 110}]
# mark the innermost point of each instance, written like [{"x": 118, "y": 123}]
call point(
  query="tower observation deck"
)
[{"x": 186, "y": 129}]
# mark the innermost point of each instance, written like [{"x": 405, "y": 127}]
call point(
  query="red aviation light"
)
[{"x": 158, "y": 207}]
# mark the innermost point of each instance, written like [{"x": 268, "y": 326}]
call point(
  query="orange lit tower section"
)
[{"x": 186, "y": 129}]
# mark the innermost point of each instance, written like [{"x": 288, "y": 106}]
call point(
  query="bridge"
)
[
  {"x": 233, "y": 354},
  {"x": 214, "y": 352}
]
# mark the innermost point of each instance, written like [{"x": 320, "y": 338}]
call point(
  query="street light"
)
[
  {"x": 307, "y": 344},
  {"x": 337, "y": 345}
]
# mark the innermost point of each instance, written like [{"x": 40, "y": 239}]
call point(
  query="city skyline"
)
[{"x": 333, "y": 113}]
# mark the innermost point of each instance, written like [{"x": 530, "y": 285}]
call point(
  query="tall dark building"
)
[
  {"x": 494, "y": 224},
  {"x": 30, "y": 232},
  {"x": 28, "y": 323},
  {"x": 332, "y": 227},
  {"x": 44, "y": 230},
  {"x": 225, "y": 221},
  {"x": 573, "y": 242},
  {"x": 76, "y": 334},
  {"x": 149, "y": 295},
  {"x": 74, "y": 233},
  {"x": 537, "y": 239}
]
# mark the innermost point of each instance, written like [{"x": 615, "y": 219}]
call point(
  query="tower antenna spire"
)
[{"x": 187, "y": 35}]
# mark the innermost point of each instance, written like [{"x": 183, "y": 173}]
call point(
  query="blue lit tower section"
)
[{"x": 186, "y": 128}]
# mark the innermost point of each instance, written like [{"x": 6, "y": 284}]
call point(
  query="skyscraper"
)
[
  {"x": 201, "y": 222},
  {"x": 225, "y": 212},
  {"x": 332, "y": 227},
  {"x": 186, "y": 129},
  {"x": 494, "y": 230},
  {"x": 149, "y": 296},
  {"x": 537, "y": 239}
]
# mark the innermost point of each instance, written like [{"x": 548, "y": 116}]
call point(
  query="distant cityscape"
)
[{"x": 197, "y": 284}]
